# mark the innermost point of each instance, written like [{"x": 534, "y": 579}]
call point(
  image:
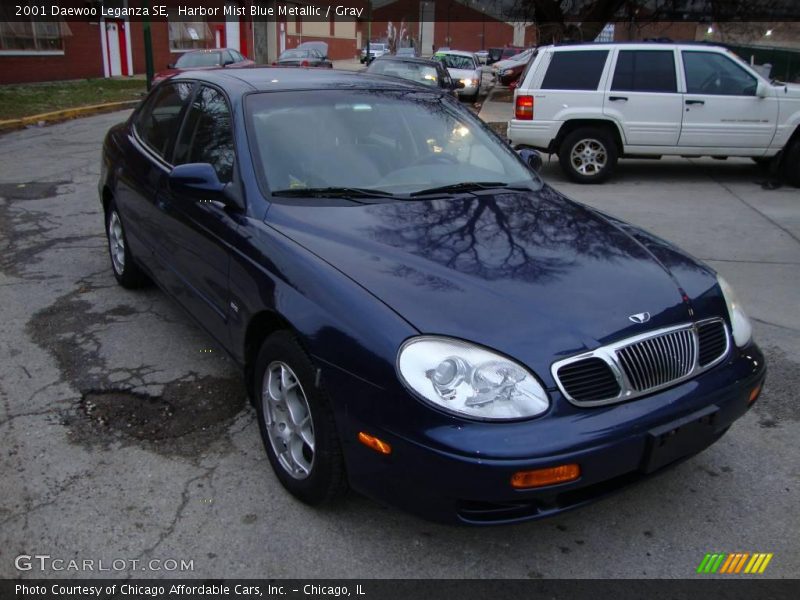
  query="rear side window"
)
[
  {"x": 577, "y": 70},
  {"x": 159, "y": 119},
  {"x": 645, "y": 71},
  {"x": 207, "y": 136}
]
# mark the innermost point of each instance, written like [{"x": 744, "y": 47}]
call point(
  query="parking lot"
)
[{"x": 127, "y": 434}]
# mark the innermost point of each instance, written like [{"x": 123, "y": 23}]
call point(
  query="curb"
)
[{"x": 65, "y": 115}]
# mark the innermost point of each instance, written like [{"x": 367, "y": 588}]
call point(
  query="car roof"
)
[
  {"x": 644, "y": 43},
  {"x": 271, "y": 79},
  {"x": 407, "y": 59},
  {"x": 456, "y": 52}
]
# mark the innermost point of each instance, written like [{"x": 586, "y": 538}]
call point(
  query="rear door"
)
[
  {"x": 643, "y": 97},
  {"x": 199, "y": 232},
  {"x": 721, "y": 108},
  {"x": 152, "y": 137}
]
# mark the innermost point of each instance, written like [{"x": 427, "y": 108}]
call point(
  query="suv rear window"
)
[
  {"x": 645, "y": 71},
  {"x": 575, "y": 70}
]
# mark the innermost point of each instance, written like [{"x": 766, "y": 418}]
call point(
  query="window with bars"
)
[
  {"x": 33, "y": 36},
  {"x": 189, "y": 35}
]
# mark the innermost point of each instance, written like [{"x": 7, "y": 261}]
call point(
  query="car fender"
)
[{"x": 339, "y": 323}]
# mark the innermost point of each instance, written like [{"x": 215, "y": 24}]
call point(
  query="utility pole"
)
[{"x": 369, "y": 27}]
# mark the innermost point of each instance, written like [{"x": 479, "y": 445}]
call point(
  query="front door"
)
[
  {"x": 643, "y": 97},
  {"x": 200, "y": 231},
  {"x": 721, "y": 108}
]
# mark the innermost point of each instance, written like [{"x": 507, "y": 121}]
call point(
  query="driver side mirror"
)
[
  {"x": 762, "y": 89},
  {"x": 200, "y": 182},
  {"x": 532, "y": 158}
]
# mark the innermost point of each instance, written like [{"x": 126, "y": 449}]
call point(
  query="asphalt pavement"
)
[{"x": 126, "y": 435}]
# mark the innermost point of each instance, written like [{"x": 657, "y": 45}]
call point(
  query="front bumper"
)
[{"x": 460, "y": 471}]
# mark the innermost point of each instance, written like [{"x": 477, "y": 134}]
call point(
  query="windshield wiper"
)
[
  {"x": 333, "y": 192},
  {"x": 467, "y": 186}
]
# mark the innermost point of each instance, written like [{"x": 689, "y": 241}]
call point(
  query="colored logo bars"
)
[{"x": 739, "y": 562}]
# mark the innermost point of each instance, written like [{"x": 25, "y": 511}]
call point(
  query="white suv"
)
[{"x": 594, "y": 103}]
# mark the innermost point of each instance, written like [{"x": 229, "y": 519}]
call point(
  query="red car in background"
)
[{"x": 204, "y": 59}]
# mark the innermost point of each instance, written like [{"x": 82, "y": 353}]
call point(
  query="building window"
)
[
  {"x": 30, "y": 36},
  {"x": 189, "y": 35}
]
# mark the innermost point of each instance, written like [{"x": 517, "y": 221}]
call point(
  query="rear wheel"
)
[
  {"x": 126, "y": 271},
  {"x": 296, "y": 422},
  {"x": 588, "y": 155},
  {"x": 791, "y": 163}
]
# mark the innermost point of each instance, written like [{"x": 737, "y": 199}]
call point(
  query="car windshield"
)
[
  {"x": 394, "y": 142},
  {"x": 295, "y": 54},
  {"x": 418, "y": 72},
  {"x": 521, "y": 56},
  {"x": 199, "y": 59},
  {"x": 374, "y": 46},
  {"x": 455, "y": 61}
]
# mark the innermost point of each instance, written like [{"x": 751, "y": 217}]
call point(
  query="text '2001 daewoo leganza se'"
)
[{"x": 417, "y": 315}]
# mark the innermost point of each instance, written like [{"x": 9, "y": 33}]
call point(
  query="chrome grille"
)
[
  {"x": 712, "y": 340},
  {"x": 643, "y": 364},
  {"x": 657, "y": 361},
  {"x": 589, "y": 379}
]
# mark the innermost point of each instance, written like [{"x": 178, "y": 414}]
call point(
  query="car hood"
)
[
  {"x": 531, "y": 274},
  {"x": 462, "y": 73},
  {"x": 792, "y": 90}
]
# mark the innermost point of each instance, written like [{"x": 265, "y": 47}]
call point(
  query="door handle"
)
[
  {"x": 618, "y": 98},
  {"x": 695, "y": 102}
]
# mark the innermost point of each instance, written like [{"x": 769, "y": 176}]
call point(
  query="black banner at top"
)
[{"x": 511, "y": 11}]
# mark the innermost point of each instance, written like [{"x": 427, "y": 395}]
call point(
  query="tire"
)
[
  {"x": 790, "y": 167},
  {"x": 296, "y": 422},
  {"x": 127, "y": 273},
  {"x": 588, "y": 155}
]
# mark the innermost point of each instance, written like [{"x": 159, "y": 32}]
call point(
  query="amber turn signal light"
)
[
  {"x": 754, "y": 394},
  {"x": 549, "y": 476},
  {"x": 370, "y": 441}
]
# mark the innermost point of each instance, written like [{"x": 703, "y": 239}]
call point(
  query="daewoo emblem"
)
[{"x": 640, "y": 317}]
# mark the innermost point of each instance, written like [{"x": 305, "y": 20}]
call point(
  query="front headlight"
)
[
  {"x": 742, "y": 330},
  {"x": 468, "y": 380}
]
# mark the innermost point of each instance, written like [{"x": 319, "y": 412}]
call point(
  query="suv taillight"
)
[{"x": 524, "y": 108}]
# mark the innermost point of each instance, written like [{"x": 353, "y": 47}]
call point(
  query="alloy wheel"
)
[
  {"x": 288, "y": 421},
  {"x": 589, "y": 157},
  {"x": 116, "y": 243}
]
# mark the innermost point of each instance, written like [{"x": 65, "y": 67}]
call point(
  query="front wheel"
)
[
  {"x": 791, "y": 164},
  {"x": 296, "y": 422},
  {"x": 588, "y": 155}
]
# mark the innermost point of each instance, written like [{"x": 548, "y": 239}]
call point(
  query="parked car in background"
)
[
  {"x": 407, "y": 51},
  {"x": 307, "y": 54},
  {"x": 509, "y": 70},
  {"x": 416, "y": 314},
  {"x": 594, "y": 103},
  {"x": 496, "y": 54},
  {"x": 204, "y": 59},
  {"x": 376, "y": 49},
  {"x": 464, "y": 67},
  {"x": 483, "y": 56},
  {"x": 431, "y": 73}
]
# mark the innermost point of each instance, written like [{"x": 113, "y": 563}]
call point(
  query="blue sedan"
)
[{"x": 417, "y": 315}]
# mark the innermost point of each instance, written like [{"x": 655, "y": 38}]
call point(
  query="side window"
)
[
  {"x": 575, "y": 70},
  {"x": 711, "y": 73},
  {"x": 645, "y": 71},
  {"x": 207, "y": 135},
  {"x": 158, "y": 122}
]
